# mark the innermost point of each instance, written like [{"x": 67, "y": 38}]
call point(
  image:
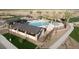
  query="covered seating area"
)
[
  {"x": 24, "y": 27},
  {"x": 27, "y": 28}
]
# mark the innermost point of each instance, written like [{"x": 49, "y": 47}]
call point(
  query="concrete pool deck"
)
[{"x": 57, "y": 37}]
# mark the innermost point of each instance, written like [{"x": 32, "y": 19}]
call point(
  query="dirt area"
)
[{"x": 35, "y": 13}]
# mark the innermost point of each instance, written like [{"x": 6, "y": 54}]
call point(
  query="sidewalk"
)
[{"x": 70, "y": 43}]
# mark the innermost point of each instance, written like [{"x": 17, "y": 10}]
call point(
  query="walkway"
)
[
  {"x": 70, "y": 43},
  {"x": 56, "y": 38},
  {"x": 4, "y": 43},
  {"x": 63, "y": 38},
  {"x": 53, "y": 37}
]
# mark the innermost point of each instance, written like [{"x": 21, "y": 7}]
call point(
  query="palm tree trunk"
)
[{"x": 68, "y": 20}]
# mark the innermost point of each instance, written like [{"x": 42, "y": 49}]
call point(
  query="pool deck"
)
[
  {"x": 52, "y": 38},
  {"x": 57, "y": 37}
]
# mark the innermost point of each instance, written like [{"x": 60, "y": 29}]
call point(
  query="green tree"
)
[
  {"x": 39, "y": 12},
  {"x": 31, "y": 12},
  {"x": 67, "y": 15}
]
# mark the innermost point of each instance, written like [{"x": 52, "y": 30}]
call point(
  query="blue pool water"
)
[{"x": 38, "y": 23}]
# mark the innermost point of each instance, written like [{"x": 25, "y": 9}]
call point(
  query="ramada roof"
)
[
  {"x": 24, "y": 26},
  {"x": 28, "y": 28}
]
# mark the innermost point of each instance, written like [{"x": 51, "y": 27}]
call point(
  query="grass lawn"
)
[
  {"x": 74, "y": 19},
  {"x": 75, "y": 34},
  {"x": 19, "y": 42}
]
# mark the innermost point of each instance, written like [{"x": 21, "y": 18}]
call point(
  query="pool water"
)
[
  {"x": 19, "y": 42},
  {"x": 39, "y": 23}
]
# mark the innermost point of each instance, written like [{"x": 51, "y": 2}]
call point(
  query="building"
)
[{"x": 24, "y": 27}]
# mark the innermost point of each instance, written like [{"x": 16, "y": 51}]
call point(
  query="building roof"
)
[
  {"x": 28, "y": 28},
  {"x": 24, "y": 26}
]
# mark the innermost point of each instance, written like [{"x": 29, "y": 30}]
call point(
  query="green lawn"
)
[
  {"x": 75, "y": 34},
  {"x": 19, "y": 42},
  {"x": 74, "y": 19}
]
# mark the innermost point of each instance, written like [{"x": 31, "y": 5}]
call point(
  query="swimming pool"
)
[
  {"x": 45, "y": 23},
  {"x": 39, "y": 23}
]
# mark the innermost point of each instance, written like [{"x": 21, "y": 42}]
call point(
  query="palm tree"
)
[
  {"x": 39, "y": 12},
  {"x": 67, "y": 15}
]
